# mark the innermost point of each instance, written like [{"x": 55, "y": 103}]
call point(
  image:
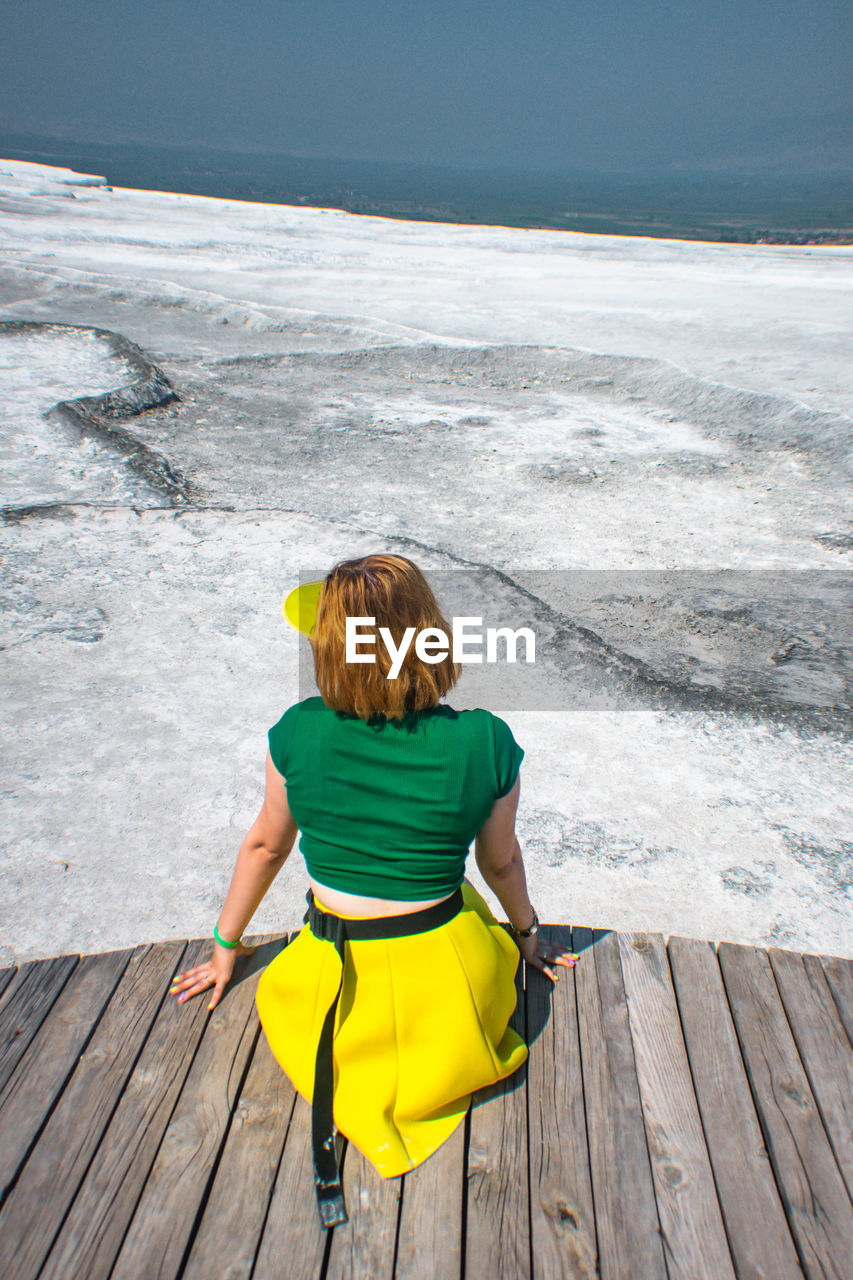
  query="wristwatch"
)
[{"x": 525, "y": 933}]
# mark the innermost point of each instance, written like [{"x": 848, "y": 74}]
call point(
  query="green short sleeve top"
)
[{"x": 387, "y": 808}]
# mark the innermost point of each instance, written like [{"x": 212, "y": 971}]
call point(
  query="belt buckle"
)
[
  {"x": 324, "y": 924},
  {"x": 330, "y": 1202}
]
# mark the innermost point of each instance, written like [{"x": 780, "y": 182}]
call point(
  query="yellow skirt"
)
[{"x": 421, "y": 1023}]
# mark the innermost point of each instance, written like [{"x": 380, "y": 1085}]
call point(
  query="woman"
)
[{"x": 393, "y": 1005}]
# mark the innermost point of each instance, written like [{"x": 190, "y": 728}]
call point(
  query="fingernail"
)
[{"x": 210, "y": 1006}]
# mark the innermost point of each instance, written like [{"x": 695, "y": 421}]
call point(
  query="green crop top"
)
[{"x": 389, "y": 809}]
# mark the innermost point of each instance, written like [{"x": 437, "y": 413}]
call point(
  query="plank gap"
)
[
  {"x": 141, "y": 1191},
  {"x": 839, "y": 976},
  {"x": 214, "y": 1165},
  {"x": 629, "y": 1236},
  {"x": 399, "y": 1221},
  {"x": 525, "y": 1021},
  {"x": 762, "y": 1124},
  {"x": 572, "y": 931},
  {"x": 683, "y": 1030},
  {"x": 6, "y": 976},
  {"x": 272, "y": 1188},
  {"x": 466, "y": 1146},
  {"x": 287, "y": 940}
]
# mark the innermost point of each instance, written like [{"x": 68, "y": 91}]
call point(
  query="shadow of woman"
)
[{"x": 540, "y": 999}]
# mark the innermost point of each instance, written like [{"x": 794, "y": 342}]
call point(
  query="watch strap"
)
[{"x": 526, "y": 933}]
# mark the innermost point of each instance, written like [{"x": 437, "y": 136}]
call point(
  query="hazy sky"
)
[{"x": 533, "y": 83}]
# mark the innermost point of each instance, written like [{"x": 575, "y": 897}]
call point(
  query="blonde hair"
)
[{"x": 395, "y": 592}]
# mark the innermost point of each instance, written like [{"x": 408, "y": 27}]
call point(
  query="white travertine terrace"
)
[{"x": 518, "y": 400}]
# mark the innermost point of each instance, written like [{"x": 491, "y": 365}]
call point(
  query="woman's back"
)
[{"x": 389, "y": 808}]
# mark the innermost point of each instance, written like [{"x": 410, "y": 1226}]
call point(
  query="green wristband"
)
[{"x": 230, "y": 945}]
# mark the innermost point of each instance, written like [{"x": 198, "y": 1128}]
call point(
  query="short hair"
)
[{"x": 395, "y": 592}]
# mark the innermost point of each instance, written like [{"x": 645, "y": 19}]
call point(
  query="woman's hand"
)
[
  {"x": 216, "y": 973},
  {"x": 542, "y": 954}
]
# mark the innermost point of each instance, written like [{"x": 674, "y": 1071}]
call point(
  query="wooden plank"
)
[
  {"x": 688, "y": 1210},
  {"x": 561, "y": 1207},
  {"x": 824, "y": 1049},
  {"x": 6, "y": 976},
  {"x": 742, "y": 1171},
  {"x": 430, "y": 1236},
  {"x": 38, "y": 1079},
  {"x": 629, "y": 1241},
  {"x": 364, "y": 1246},
  {"x": 26, "y": 1003},
  {"x": 813, "y": 1192},
  {"x": 839, "y": 975},
  {"x": 292, "y": 1230},
  {"x": 93, "y": 1230},
  {"x": 230, "y": 1231},
  {"x": 162, "y": 1226},
  {"x": 498, "y": 1202},
  {"x": 34, "y": 1210}
]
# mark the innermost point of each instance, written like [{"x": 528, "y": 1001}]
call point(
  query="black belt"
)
[{"x": 336, "y": 929}]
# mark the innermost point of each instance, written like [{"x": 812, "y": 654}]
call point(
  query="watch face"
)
[{"x": 527, "y": 933}]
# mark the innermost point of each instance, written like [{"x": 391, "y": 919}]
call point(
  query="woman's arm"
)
[
  {"x": 498, "y": 855},
  {"x": 262, "y": 854}
]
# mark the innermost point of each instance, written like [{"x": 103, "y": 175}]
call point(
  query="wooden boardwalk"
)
[{"x": 685, "y": 1112}]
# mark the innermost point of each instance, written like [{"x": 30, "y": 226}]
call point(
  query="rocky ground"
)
[{"x": 639, "y": 449}]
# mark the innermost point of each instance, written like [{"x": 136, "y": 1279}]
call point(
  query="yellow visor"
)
[{"x": 300, "y": 606}]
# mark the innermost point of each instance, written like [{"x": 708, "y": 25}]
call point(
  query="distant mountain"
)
[
  {"x": 786, "y": 185},
  {"x": 819, "y": 146}
]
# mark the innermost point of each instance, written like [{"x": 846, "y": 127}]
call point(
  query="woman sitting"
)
[{"x": 392, "y": 1006}]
